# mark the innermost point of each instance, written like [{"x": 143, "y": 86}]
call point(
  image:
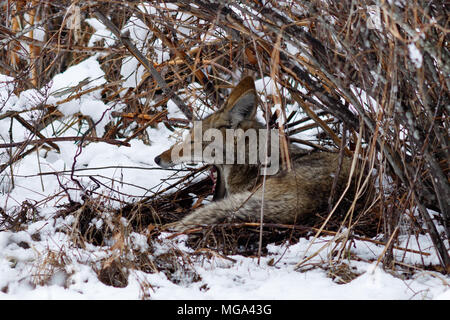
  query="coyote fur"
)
[{"x": 290, "y": 196}]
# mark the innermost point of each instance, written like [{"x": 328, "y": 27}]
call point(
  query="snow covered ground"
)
[
  {"x": 23, "y": 266},
  {"x": 40, "y": 261}
]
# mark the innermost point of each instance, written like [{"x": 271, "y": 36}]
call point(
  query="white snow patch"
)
[{"x": 415, "y": 55}]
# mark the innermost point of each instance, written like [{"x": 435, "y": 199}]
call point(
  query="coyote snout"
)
[{"x": 240, "y": 146}]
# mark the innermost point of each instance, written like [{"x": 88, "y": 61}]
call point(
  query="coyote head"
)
[{"x": 231, "y": 135}]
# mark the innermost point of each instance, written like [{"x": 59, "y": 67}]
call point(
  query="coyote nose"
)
[{"x": 157, "y": 160}]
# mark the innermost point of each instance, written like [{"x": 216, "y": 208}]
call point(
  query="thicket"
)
[{"x": 372, "y": 75}]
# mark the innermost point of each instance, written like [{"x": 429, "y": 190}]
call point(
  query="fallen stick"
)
[{"x": 58, "y": 139}]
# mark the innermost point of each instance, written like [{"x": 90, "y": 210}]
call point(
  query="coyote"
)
[{"x": 290, "y": 196}]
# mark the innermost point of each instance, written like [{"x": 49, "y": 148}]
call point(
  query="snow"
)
[
  {"x": 101, "y": 33},
  {"x": 88, "y": 69},
  {"x": 241, "y": 279},
  {"x": 374, "y": 20},
  {"x": 7, "y": 96},
  {"x": 415, "y": 55},
  {"x": 51, "y": 266}
]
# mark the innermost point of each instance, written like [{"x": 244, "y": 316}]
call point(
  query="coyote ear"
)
[
  {"x": 243, "y": 109},
  {"x": 241, "y": 105}
]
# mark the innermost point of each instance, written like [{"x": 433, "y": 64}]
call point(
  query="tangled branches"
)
[{"x": 378, "y": 69}]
